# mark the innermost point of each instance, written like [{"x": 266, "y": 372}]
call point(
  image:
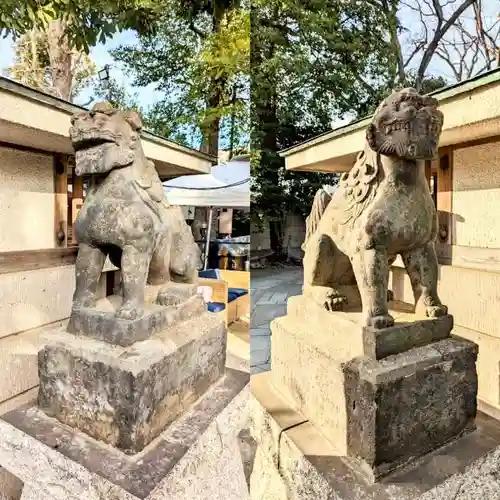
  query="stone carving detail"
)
[
  {"x": 381, "y": 208},
  {"x": 125, "y": 214}
]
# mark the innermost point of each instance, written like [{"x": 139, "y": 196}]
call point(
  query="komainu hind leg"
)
[
  {"x": 319, "y": 273},
  {"x": 173, "y": 266},
  {"x": 422, "y": 267}
]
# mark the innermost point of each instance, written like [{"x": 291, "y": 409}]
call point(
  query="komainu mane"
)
[
  {"x": 125, "y": 214},
  {"x": 381, "y": 209}
]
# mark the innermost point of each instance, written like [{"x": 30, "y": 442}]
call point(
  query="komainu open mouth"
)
[{"x": 86, "y": 143}]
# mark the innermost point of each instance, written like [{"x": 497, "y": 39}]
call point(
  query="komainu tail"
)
[{"x": 319, "y": 204}]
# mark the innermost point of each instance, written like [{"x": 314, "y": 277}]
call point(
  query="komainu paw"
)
[
  {"x": 327, "y": 297},
  {"x": 436, "y": 311}
]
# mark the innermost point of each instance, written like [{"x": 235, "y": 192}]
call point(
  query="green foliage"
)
[
  {"x": 201, "y": 63},
  {"x": 89, "y": 21},
  {"x": 309, "y": 66},
  {"x": 32, "y": 65},
  {"x": 154, "y": 119},
  {"x": 117, "y": 95}
]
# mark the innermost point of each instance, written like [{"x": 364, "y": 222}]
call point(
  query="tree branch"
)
[
  {"x": 438, "y": 35},
  {"x": 196, "y": 30}
]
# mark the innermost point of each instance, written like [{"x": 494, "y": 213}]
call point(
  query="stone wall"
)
[{"x": 472, "y": 294}]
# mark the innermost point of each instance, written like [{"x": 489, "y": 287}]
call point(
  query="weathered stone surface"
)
[
  {"x": 382, "y": 208},
  {"x": 409, "y": 404},
  {"x": 125, "y": 214},
  {"x": 101, "y": 322},
  {"x": 316, "y": 373},
  {"x": 342, "y": 333},
  {"x": 308, "y": 467},
  {"x": 195, "y": 458},
  {"x": 310, "y": 379},
  {"x": 127, "y": 396}
]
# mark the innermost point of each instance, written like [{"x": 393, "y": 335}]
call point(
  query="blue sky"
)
[
  {"x": 148, "y": 95},
  {"x": 101, "y": 56}
]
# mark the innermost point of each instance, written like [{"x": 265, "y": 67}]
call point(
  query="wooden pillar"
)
[
  {"x": 445, "y": 195},
  {"x": 428, "y": 172},
  {"x": 76, "y": 202},
  {"x": 61, "y": 201}
]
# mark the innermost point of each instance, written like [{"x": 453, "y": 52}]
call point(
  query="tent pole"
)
[{"x": 207, "y": 243}]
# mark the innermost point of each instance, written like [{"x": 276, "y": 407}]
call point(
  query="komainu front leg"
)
[
  {"x": 135, "y": 265},
  {"x": 319, "y": 266},
  {"x": 422, "y": 267},
  {"x": 89, "y": 264},
  {"x": 371, "y": 268}
]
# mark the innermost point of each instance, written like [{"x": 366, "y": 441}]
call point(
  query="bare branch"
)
[{"x": 438, "y": 35}]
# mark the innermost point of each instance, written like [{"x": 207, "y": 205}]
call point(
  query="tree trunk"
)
[
  {"x": 265, "y": 122},
  {"x": 61, "y": 57}
]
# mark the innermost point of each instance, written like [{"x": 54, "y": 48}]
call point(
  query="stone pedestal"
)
[
  {"x": 294, "y": 461},
  {"x": 197, "y": 457},
  {"x": 383, "y": 399},
  {"x": 126, "y": 396},
  {"x": 132, "y": 409}
]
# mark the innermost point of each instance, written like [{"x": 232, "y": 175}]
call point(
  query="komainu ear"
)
[
  {"x": 134, "y": 120},
  {"x": 371, "y": 136}
]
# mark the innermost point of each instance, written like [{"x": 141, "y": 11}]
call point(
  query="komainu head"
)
[
  {"x": 104, "y": 138},
  {"x": 407, "y": 125}
]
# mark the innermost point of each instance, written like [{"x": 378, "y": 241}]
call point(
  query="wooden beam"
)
[
  {"x": 29, "y": 260},
  {"x": 61, "y": 201},
  {"x": 28, "y": 149},
  {"x": 445, "y": 195},
  {"x": 477, "y": 142},
  {"x": 76, "y": 201},
  {"x": 483, "y": 259},
  {"x": 477, "y": 258}
]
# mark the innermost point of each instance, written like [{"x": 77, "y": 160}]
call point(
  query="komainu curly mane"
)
[{"x": 359, "y": 185}]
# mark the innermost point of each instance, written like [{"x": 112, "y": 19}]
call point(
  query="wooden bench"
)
[{"x": 230, "y": 292}]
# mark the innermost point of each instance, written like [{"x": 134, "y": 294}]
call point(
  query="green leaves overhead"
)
[
  {"x": 89, "y": 21},
  {"x": 312, "y": 62},
  {"x": 199, "y": 57}
]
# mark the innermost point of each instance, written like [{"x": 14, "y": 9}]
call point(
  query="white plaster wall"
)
[
  {"x": 26, "y": 200},
  {"x": 472, "y": 297},
  {"x": 476, "y": 196},
  {"x": 34, "y": 298}
]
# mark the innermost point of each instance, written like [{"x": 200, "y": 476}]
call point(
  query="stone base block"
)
[
  {"x": 382, "y": 412},
  {"x": 196, "y": 458},
  {"x": 101, "y": 323},
  {"x": 126, "y": 396},
  {"x": 295, "y": 462},
  {"x": 406, "y": 405},
  {"x": 342, "y": 335}
]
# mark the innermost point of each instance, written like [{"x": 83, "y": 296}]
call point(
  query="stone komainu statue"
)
[
  {"x": 381, "y": 209},
  {"x": 125, "y": 214}
]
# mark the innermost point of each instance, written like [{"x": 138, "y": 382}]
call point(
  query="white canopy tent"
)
[{"x": 227, "y": 186}]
